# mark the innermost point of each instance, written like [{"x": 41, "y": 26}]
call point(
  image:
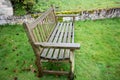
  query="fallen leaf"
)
[
  {"x": 26, "y": 69},
  {"x": 17, "y": 33},
  {"x": 6, "y": 68},
  {"x": 15, "y": 78},
  {"x": 15, "y": 70},
  {"x": 31, "y": 66},
  {"x": 17, "y": 54},
  {"x": 33, "y": 70}
]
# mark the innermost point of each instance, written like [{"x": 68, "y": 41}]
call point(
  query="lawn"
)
[
  {"x": 98, "y": 58},
  {"x": 73, "y": 5}
]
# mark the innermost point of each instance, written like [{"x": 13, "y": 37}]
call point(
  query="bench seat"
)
[{"x": 63, "y": 33}]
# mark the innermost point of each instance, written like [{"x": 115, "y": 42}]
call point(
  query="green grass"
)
[
  {"x": 65, "y": 5},
  {"x": 98, "y": 58},
  {"x": 74, "y": 5}
]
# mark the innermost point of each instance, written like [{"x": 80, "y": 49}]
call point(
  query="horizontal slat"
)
[
  {"x": 59, "y": 45},
  {"x": 56, "y": 72},
  {"x": 55, "y": 60}
]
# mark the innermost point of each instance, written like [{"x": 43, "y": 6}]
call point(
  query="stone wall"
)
[
  {"x": 99, "y": 14},
  {"x": 84, "y": 15},
  {"x": 15, "y": 19},
  {"x": 6, "y": 8},
  {"x": 96, "y": 14}
]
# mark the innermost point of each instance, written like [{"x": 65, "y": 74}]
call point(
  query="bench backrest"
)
[{"x": 41, "y": 29}]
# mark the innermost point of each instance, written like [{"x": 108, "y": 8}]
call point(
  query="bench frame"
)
[{"x": 36, "y": 45}]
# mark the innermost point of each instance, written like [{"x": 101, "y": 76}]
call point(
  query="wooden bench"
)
[{"x": 52, "y": 40}]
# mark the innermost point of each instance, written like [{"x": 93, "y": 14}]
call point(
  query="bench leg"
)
[
  {"x": 71, "y": 76},
  {"x": 39, "y": 66}
]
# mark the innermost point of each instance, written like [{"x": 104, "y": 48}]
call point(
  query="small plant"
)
[{"x": 18, "y": 10}]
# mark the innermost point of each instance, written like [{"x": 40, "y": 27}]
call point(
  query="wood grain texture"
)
[{"x": 59, "y": 45}]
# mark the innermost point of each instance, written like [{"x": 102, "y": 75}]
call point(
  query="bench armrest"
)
[
  {"x": 59, "y": 45},
  {"x": 65, "y": 15}
]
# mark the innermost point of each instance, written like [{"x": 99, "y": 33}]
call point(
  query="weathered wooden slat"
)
[
  {"x": 53, "y": 13},
  {"x": 61, "y": 55},
  {"x": 72, "y": 33},
  {"x": 54, "y": 33},
  {"x": 41, "y": 33},
  {"x": 48, "y": 25},
  {"x": 67, "y": 53},
  {"x": 50, "y": 40},
  {"x": 44, "y": 29},
  {"x": 36, "y": 34},
  {"x": 58, "y": 45},
  {"x": 53, "y": 26},
  {"x": 56, "y": 72},
  {"x": 54, "y": 41}
]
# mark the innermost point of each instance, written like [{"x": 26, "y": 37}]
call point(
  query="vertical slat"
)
[
  {"x": 40, "y": 33},
  {"x": 72, "y": 33},
  {"x": 53, "y": 12},
  {"x": 52, "y": 30},
  {"x": 48, "y": 25},
  {"x": 47, "y": 28},
  {"x": 44, "y": 28},
  {"x": 36, "y": 35}
]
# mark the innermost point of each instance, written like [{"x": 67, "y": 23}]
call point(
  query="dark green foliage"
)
[
  {"x": 21, "y": 7},
  {"x": 18, "y": 10}
]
